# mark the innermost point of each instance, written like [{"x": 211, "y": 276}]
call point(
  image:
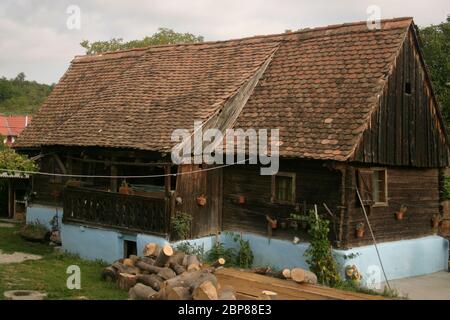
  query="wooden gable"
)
[{"x": 406, "y": 129}]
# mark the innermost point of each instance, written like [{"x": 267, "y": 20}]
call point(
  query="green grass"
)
[{"x": 49, "y": 273}]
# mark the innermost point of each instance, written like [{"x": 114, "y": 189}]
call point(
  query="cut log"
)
[
  {"x": 164, "y": 256},
  {"x": 219, "y": 263},
  {"x": 141, "y": 292},
  {"x": 190, "y": 280},
  {"x": 109, "y": 274},
  {"x": 128, "y": 262},
  {"x": 147, "y": 260},
  {"x": 178, "y": 268},
  {"x": 166, "y": 273},
  {"x": 148, "y": 267},
  {"x": 161, "y": 295},
  {"x": 151, "y": 250},
  {"x": 177, "y": 258},
  {"x": 151, "y": 280},
  {"x": 205, "y": 291},
  {"x": 122, "y": 268},
  {"x": 192, "y": 263},
  {"x": 179, "y": 293},
  {"x": 268, "y": 295},
  {"x": 303, "y": 276},
  {"x": 134, "y": 258},
  {"x": 227, "y": 293},
  {"x": 126, "y": 281},
  {"x": 286, "y": 273}
]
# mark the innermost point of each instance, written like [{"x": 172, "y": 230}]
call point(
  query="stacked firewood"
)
[{"x": 165, "y": 274}]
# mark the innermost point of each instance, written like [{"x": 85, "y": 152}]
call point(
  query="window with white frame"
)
[
  {"x": 372, "y": 186},
  {"x": 283, "y": 187}
]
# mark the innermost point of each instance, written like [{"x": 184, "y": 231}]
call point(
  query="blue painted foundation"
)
[
  {"x": 401, "y": 259},
  {"x": 43, "y": 215}
]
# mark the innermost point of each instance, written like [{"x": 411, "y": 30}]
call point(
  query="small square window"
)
[
  {"x": 283, "y": 187},
  {"x": 372, "y": 186},
  {"x": 408, "y": 88}
]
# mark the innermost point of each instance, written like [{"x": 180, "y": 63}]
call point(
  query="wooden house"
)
[{"x": 354, "y": 106}]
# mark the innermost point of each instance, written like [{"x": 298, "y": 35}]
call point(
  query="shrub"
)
[
  {"x": 319, "y": 254},
  {"x": 181, "y": 225},
  {"x": 34, "y": 232}
]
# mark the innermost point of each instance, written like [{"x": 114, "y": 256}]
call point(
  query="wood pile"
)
[
  {"x": 298, "y": 275},
  {"x": 165, "y": 274}
]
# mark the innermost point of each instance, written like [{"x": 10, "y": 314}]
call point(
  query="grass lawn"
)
[{"x": 49, "y": 273}]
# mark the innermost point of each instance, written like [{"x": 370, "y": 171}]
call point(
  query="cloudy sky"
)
[{"x": 35, "y": 38}]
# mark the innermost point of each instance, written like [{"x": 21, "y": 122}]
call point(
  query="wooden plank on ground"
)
[{"x": 249, "y": 285}]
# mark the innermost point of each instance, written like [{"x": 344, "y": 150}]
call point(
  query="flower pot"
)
[
  {"x": 241, "y": 199},
  {"x": 435, "y": 223},
  {"x": 201, "y": 200},
  {"x": 399, "y": 215},
  {"x": 359, "y": 233}
]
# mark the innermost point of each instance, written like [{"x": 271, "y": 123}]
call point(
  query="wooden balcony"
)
[{"x": 118, "y": 211}]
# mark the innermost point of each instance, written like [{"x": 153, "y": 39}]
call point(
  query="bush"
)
[
  {"x": 189, "y": 249},
  {"x": 35, "y": 232},
  {"x": 181, "y": 225},
  {"x": 319, "y": 254},
  {"x": 219, "y": 251},
  {"x": 447, "y": 188}
]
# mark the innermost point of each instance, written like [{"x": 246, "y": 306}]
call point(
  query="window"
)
[
  {"x": 283, "y": 187},
  {"x": 408, "y": 88},
  {"x": 372, "y": 186}
]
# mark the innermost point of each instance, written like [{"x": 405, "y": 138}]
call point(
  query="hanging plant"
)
[
  {"x": 400, "y": 214},
  {"x": 125, "y": 189},
  {"x": 360, "y": 229},
  {"x": 201, "y": 200}
]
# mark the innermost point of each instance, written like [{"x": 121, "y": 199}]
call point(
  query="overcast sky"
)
[{"x": 35, "y": 39}]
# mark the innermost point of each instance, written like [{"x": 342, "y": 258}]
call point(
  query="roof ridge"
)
[{"x": 91, "y": 57}]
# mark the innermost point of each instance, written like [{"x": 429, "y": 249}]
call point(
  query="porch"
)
[{"x": 125, "y": 212}]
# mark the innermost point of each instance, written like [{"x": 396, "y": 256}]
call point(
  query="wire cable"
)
[{"x": 373, "y": 237}]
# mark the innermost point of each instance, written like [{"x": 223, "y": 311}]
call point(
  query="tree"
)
[
  {"x": 162, "y": 36},
  {"x": 435, "y": 41},
  {"x": 10, "y": 160},
  {"x": 19, "y": 96}
]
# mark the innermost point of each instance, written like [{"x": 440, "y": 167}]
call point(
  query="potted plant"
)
[
  {"x": 400, "y": 214},
  {"x": 360, "y": 230},
  {"x": 201, "y": 200},
  {"x": 436, "y": 220},
  {"x": 125, "y": 189}
]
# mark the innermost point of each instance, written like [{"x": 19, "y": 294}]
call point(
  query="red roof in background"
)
[{"x": 13, "y": 125}]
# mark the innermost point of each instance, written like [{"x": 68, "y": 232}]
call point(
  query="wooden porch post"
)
[{"x": 114, "y": 171}]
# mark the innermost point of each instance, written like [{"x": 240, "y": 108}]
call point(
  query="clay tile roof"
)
[
  {"x": 13, "y": 125},
  {"x": 318, "y": 89}
]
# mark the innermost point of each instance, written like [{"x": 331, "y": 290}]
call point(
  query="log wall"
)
[
  {"x": 315, "y": 184},
  {"x": 405, "y": 129},
  {"x": 417, "y": 189}
]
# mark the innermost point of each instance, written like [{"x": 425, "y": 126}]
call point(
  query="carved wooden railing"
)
[{"x": 115, "y": 210}]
